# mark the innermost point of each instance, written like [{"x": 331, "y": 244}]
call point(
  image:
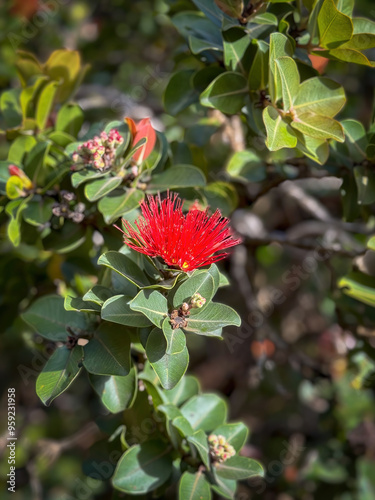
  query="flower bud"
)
[
  {"x": 98, "y": 152},
  {"x": 185, "y": 307},
  {"x": 17, "y": 172},
  {"x": 197, "y": 301},
  {"x": 13, "y": 170},
  {"x": 220, "y": 449}
]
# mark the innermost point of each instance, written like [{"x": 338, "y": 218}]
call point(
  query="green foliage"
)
[
  {"x": 59, "y": 372},
  {"x": 247, "y": 110}
]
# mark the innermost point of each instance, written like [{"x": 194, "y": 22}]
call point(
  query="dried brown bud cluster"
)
[
  {"x": 68, "y": 209},
  {"x": 179, "y": 316}
]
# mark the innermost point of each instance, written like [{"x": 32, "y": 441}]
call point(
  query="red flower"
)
[
  {"x": 143, "y": 130},
  {"x": 182, "y": 241}
]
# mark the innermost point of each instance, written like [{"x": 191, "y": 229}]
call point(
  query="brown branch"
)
[
  {"x": 301, "y": 245},
  {"x": 84, "y": 438}
]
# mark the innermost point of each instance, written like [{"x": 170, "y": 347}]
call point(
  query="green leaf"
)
[
  {"x": 355, "y": 139},
  {"x": 202, "y": 283},
  {"x": 236, "y": 434},
  {"x": 247, "y": 167},
  {"x": 194, "y": 487},
  {"x": 335, "y": 28},
  {"x": 289, "y": 79},
  {"x": 61, "y": 139},
  {"x": 319, "y": 95},
  {"x": 197, "y": 46},
  {"x": 312, "y": 25},
  {"x": 143, "y": 468},
  {"x": 70, "y": 119},
  {"x": 117, "y": 310},
  {"x": 360, "y": 286},
  {"x": 258, "y": 74},
  {"x": 10, "y": 108},
  {"x": 82, "y": 176},
  {"x": 199, "y": 440},
  {"x": 196, "y": 24},
  {"x": 98, "y": 295},
  {"x": 117, "y": 393},
  {"x": 237, "y": 50},
  {"x": 4, "y": 174},
  {"x": 213, "y": 317},
  {"x": 117, "y": 205},
  {"x": 77, "y": 304},
  {"x": 203, "y": 77},
  {"x": 170, "y": 411},
  {"x": 239, "y": 468},
  {"x": 232, "y": 8},
  {"x": 205, "y": 411},
  {"x": 38, "y": 212},
  {"x": 67, "y": 239},
  {"x": 319, "y": 127},
  {"x": 184, "y": 390},
  {"x": 345, "y": 6},
  {"x": 279, "y": 133},
  {"x": 226, "y": 488},
  {"x": 365, "y": 180},
  {"x": 108, "y": 352},
  {"x": 45, "y": 104},
  {"x": 58, "y": 373},
  {"x": 28, "y": 95},
  {"x": 212, "y": 11},
  {"x": 65, "y": 67},
  {"x": 178, "y": 176},
  {"x": 364, "y": 34},
  {"x": 124, "y": 266},
  {"x": 183, "y": 426},
  {"x": 36, "y": 161},
  {"x": 180, "y": 92},
  {"x": 316, "y": 149},
  {"x": 152, "y": 304},
  {"x": 226, "y": 93},
  {"x": 97, "y": 189},
  {"x": 347, "y": 54},
  {"x": 280, "y": 46},
  {"x": 50, "y": 320},
  {"x": 20, "y": 146},
  {"x": 166, "y": 350},
  {"x": 14, "y": 209},
  {"x": 27, "y": 66}
]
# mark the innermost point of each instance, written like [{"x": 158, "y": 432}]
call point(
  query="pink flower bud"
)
[{"x": 13, "y": 170}]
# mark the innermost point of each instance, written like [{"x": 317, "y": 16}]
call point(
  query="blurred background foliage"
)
[{"x": 302, "y": 376}]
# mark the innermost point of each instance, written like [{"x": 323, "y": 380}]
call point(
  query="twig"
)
[
  {"x": 35, "y": 484},
  {"x": 52, "y": 449},
  {"x": 254, "y": 242}
]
